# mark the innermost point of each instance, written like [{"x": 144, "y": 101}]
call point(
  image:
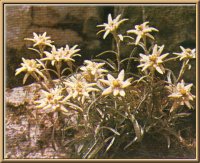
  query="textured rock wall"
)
[{"x": 77, "y": 25}]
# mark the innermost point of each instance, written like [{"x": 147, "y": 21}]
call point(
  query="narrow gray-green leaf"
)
[
  {"x": 129, "y": 144},
  {"x": 106, "y": 62},
  {"x": 109, "y": 51},
  {"x": 131, "y": 58},
  {"x": 110, "y": 144},
  {"x": 111, "y": 129}
]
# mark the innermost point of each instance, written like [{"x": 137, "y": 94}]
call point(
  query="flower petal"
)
[
  {"x": 155, "y": 49},
  {"x": 121, "y": 75},
  {"x": 107, "y": 91},
  {"x": 116, "y": 92},
  {"x": 106, "y": 34},
  {"x": 109, "y": 18},
  {"x": 110, "y": 78},
  {"x": 159, "y": 69},
  {"x": 138, "y": 39},
  {"x": 122, "y": 92}
]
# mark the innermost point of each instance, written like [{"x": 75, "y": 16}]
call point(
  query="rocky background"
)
[{"x": 77, "y": 25}]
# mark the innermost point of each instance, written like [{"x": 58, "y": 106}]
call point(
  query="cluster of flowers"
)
[
  {"x": 78, "y": 86},
  {"x": 92, "y": 77}
]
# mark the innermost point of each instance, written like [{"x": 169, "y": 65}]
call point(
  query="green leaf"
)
[
  {"x": 109, "y": 51},
  {"x": 47, "y": 69},
  {"x": 76, "y": 107},
  {"x": 168, "y": 142},
  {"x": 129, "y": 61},
  {"x": 110, "y": 144},
  {"x": 80, "y": 147},
  {"x": 138, "y": 130},
  {"x": 106, "y": 62},
  {"x": 129, "y": 37},
  {"x": 171, "y": 77},
  {"x": 180, "y": 115},
  {"x": 141, "y": 79},
  {"x": 111, "y": 129},
  {"x": 129, "y": 144},
  {"x": 65, "y": 69},
  {"x": 95, "y": 151},
  {"x": 35, "y": 51},
  {"x": 111, "y": 62},
  {"x": 90, "y": 149},
  {"x": 131, "y": 58}
]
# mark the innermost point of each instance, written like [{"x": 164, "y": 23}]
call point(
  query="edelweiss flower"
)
[
  {"x": 62, "y": 54},
  {"x": 142, "y": 31},
  {"x": 78, "y": 88},
  {"x": 111, "y": 26},
  {"x": 40, "y": 40},
  {"x": 181, "y": 95},
  {"x": 116, "y": 86},
  {"x": 51, "y": 101},
  {"x": 153, "y": 61},
  {"x": 186, "y": 53},
  {"x": 93, "y": 71},
  {"x": 31, "y": 67}
]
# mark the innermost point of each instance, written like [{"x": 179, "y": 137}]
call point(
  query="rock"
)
[
  {"x": 27, "y": 134},
  {"x": 18, "y": 20},
  {"x": 64, "y": 16},
  {"x": 176, "y": 25},
  {"x": 21, "y": 95}
]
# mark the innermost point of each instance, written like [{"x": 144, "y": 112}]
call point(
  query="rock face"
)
[{"x": 77, "y": 25}]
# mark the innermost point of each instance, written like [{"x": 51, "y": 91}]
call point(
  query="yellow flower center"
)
[
  {"x": 116, "y": 83},
  {"x": 140, "y": 28},
  {"x": 183, "y": 91},
  {"x": 189, "y": 53},
  {"x": 188, "y": 50},
  {"x": 113, "y": 26},
  {"x": 79, "y": 87},
  {"x": 153, "y": 58},
  {"x": 88, "y": 76},
  {"x": 49, "y": 97}
]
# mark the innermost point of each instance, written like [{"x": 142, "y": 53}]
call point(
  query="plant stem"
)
[
  {"x": 129, "y": 61},
  {"x": 170, "y": 59},
  {"x": 184, "y": 65},
  {"x": 118, "y": 50},
  {"x": 145, "y": 45},
  {"x": 41, "y": 49},
  {"x": 58, "y": 66},
  {"x": 152, "y": 91}
]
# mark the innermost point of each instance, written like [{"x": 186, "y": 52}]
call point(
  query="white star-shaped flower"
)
[
  {"x": 142, "y": 30},
  {"x": 186, "y": 53},
  {"x": 31, "y": 67},
  {"x": 153, "y": 61},
  {"x": 51, "y": 101},
  {"x": 181, "y": 95},
  {"x": 93, "y": 71},
  {"x": 111, "y": 26},
  {"x": 62, "y": 54},
  {"x": 78, "y": 88},
  {"x": 116, "y": 86},
  {"x": 40, "y": 40}
]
